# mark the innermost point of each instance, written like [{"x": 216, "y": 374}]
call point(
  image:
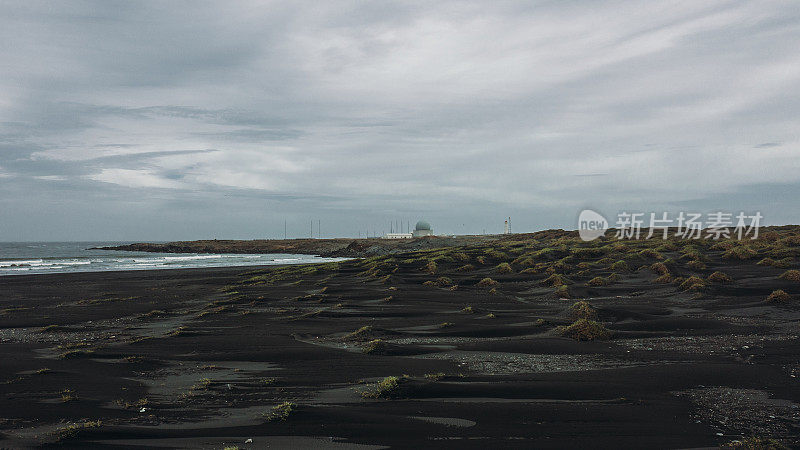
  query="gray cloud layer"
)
[{"x": 167, "y": 120}]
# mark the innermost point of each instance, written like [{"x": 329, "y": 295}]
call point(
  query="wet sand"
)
[{"x": 198, "y": 358}]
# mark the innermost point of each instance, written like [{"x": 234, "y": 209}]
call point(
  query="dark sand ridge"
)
[{"x": 198, "y": 358}]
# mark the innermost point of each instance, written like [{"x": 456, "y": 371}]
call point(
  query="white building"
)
[{"x": 398, "y": 236}]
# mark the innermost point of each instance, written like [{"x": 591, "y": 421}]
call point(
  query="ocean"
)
[{"x": 19, "y": 258}]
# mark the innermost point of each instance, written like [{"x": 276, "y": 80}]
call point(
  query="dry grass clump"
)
[
  {"x": 554, "y": 280},
  {"x": 439, "y": 282},
  {"x": 466, "y": 268},
  {"x": 460, "y": 256},
  {"x": 588, "y": 253},
  {"x": 666, "y": 278},
  {"x": 386, "y": 388},
  {"x": 723, "y": 245},
  {"x": 780, "y": 263},
  {"x": 583, "y": 310},
  {"x": 524, "y": 261},
  {"x": 72, "y": 430},
  {"x": 72, "y": 354},
  {"x": 561, "y": 266},
  {"x": 791, "y": 275},
  {"x": 650, "y": 253},
  {"x": 68, "y": 395},
  {"x": 280, "y": 412},
  {"x": 562, "y": 292},
  {"x": 767, "y": 262},
  {"x": 779, "y": 296},
  {"x": 693, "y": 283},
  {"x": 696, "y": 264},
  {"x": 598, "y": 281},
  {"x": 430, "y": 268},
  {"x": 620, "y": 266},
  {"x": 486, "y": 282},
  {"x": 585, "y": 330},
  {"x": 468, "y": 310},
  {"x": 667, "y": 246},
  {"x": 754, "y": 443},
  {"x": 375, "y": 346},
  {"x": 741, "y": 253},
  {"x": 444, "y": 281},
  {"x": 720, "y": 277},
  {"x": 504, "y": 268},
  {"x": 365, "y": 332},
  {"x": 660, "y": 268},
  {"x": 529, "y": 271}
]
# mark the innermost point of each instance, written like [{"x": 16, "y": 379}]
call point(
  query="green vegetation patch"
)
[
  {"x": 281, "y": 412},
  {"x": 387, "y": 388},
  {"x": 375, "y": 346}
]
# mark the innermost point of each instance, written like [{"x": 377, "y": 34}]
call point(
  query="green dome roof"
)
[{"x": 422, "y": 225}]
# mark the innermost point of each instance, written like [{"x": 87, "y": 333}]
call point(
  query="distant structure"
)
[
  {"x": 398, "y": 236},
  {"x": 507, "y": 229},
  {"x": 422, "y": 229}
]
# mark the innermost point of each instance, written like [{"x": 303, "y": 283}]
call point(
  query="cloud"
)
[{"x": 242, "y": 114}]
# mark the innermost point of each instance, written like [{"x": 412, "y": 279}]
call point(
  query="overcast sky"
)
[{"x": 184, "y": 120}]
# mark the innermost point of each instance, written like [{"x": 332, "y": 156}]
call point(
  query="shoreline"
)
[{"x": 130, "y": 272}]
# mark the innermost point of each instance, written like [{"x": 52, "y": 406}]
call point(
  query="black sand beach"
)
[{"x": 412, "y": 350}]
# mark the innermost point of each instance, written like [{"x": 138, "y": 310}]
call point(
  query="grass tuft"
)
[
  {"x": 693, "y": 283},
  {"x": 598, "y": 281},
  {"x": 466, "y": 268},
  {"x": 583, "y": 310},
  {"x": 375, "y": 346},
  {"x": 68, "y": 395},
  {"x": 281, "y": 412},
  {"x": 504, "y": 268},
  {"x": 741, "y": 252},
  {"x": 585, "y": 330},
  {"x": 386, "y": 388},
  {"x": 779, "y": 296},
  {"x": 72, "y": 430},
  {"x": 554, "y": 280},
  {"x": 791, "y": 275},
  {"x": 720, "y": 277},
  {"x": 486, "y": 282}
]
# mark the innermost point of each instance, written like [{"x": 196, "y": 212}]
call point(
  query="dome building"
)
[{"x": 422, "y": 229}]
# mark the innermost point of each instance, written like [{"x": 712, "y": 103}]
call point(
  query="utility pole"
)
[
  {"x": 284, "y": 229},
  {"x": 319, "y": 227}
]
